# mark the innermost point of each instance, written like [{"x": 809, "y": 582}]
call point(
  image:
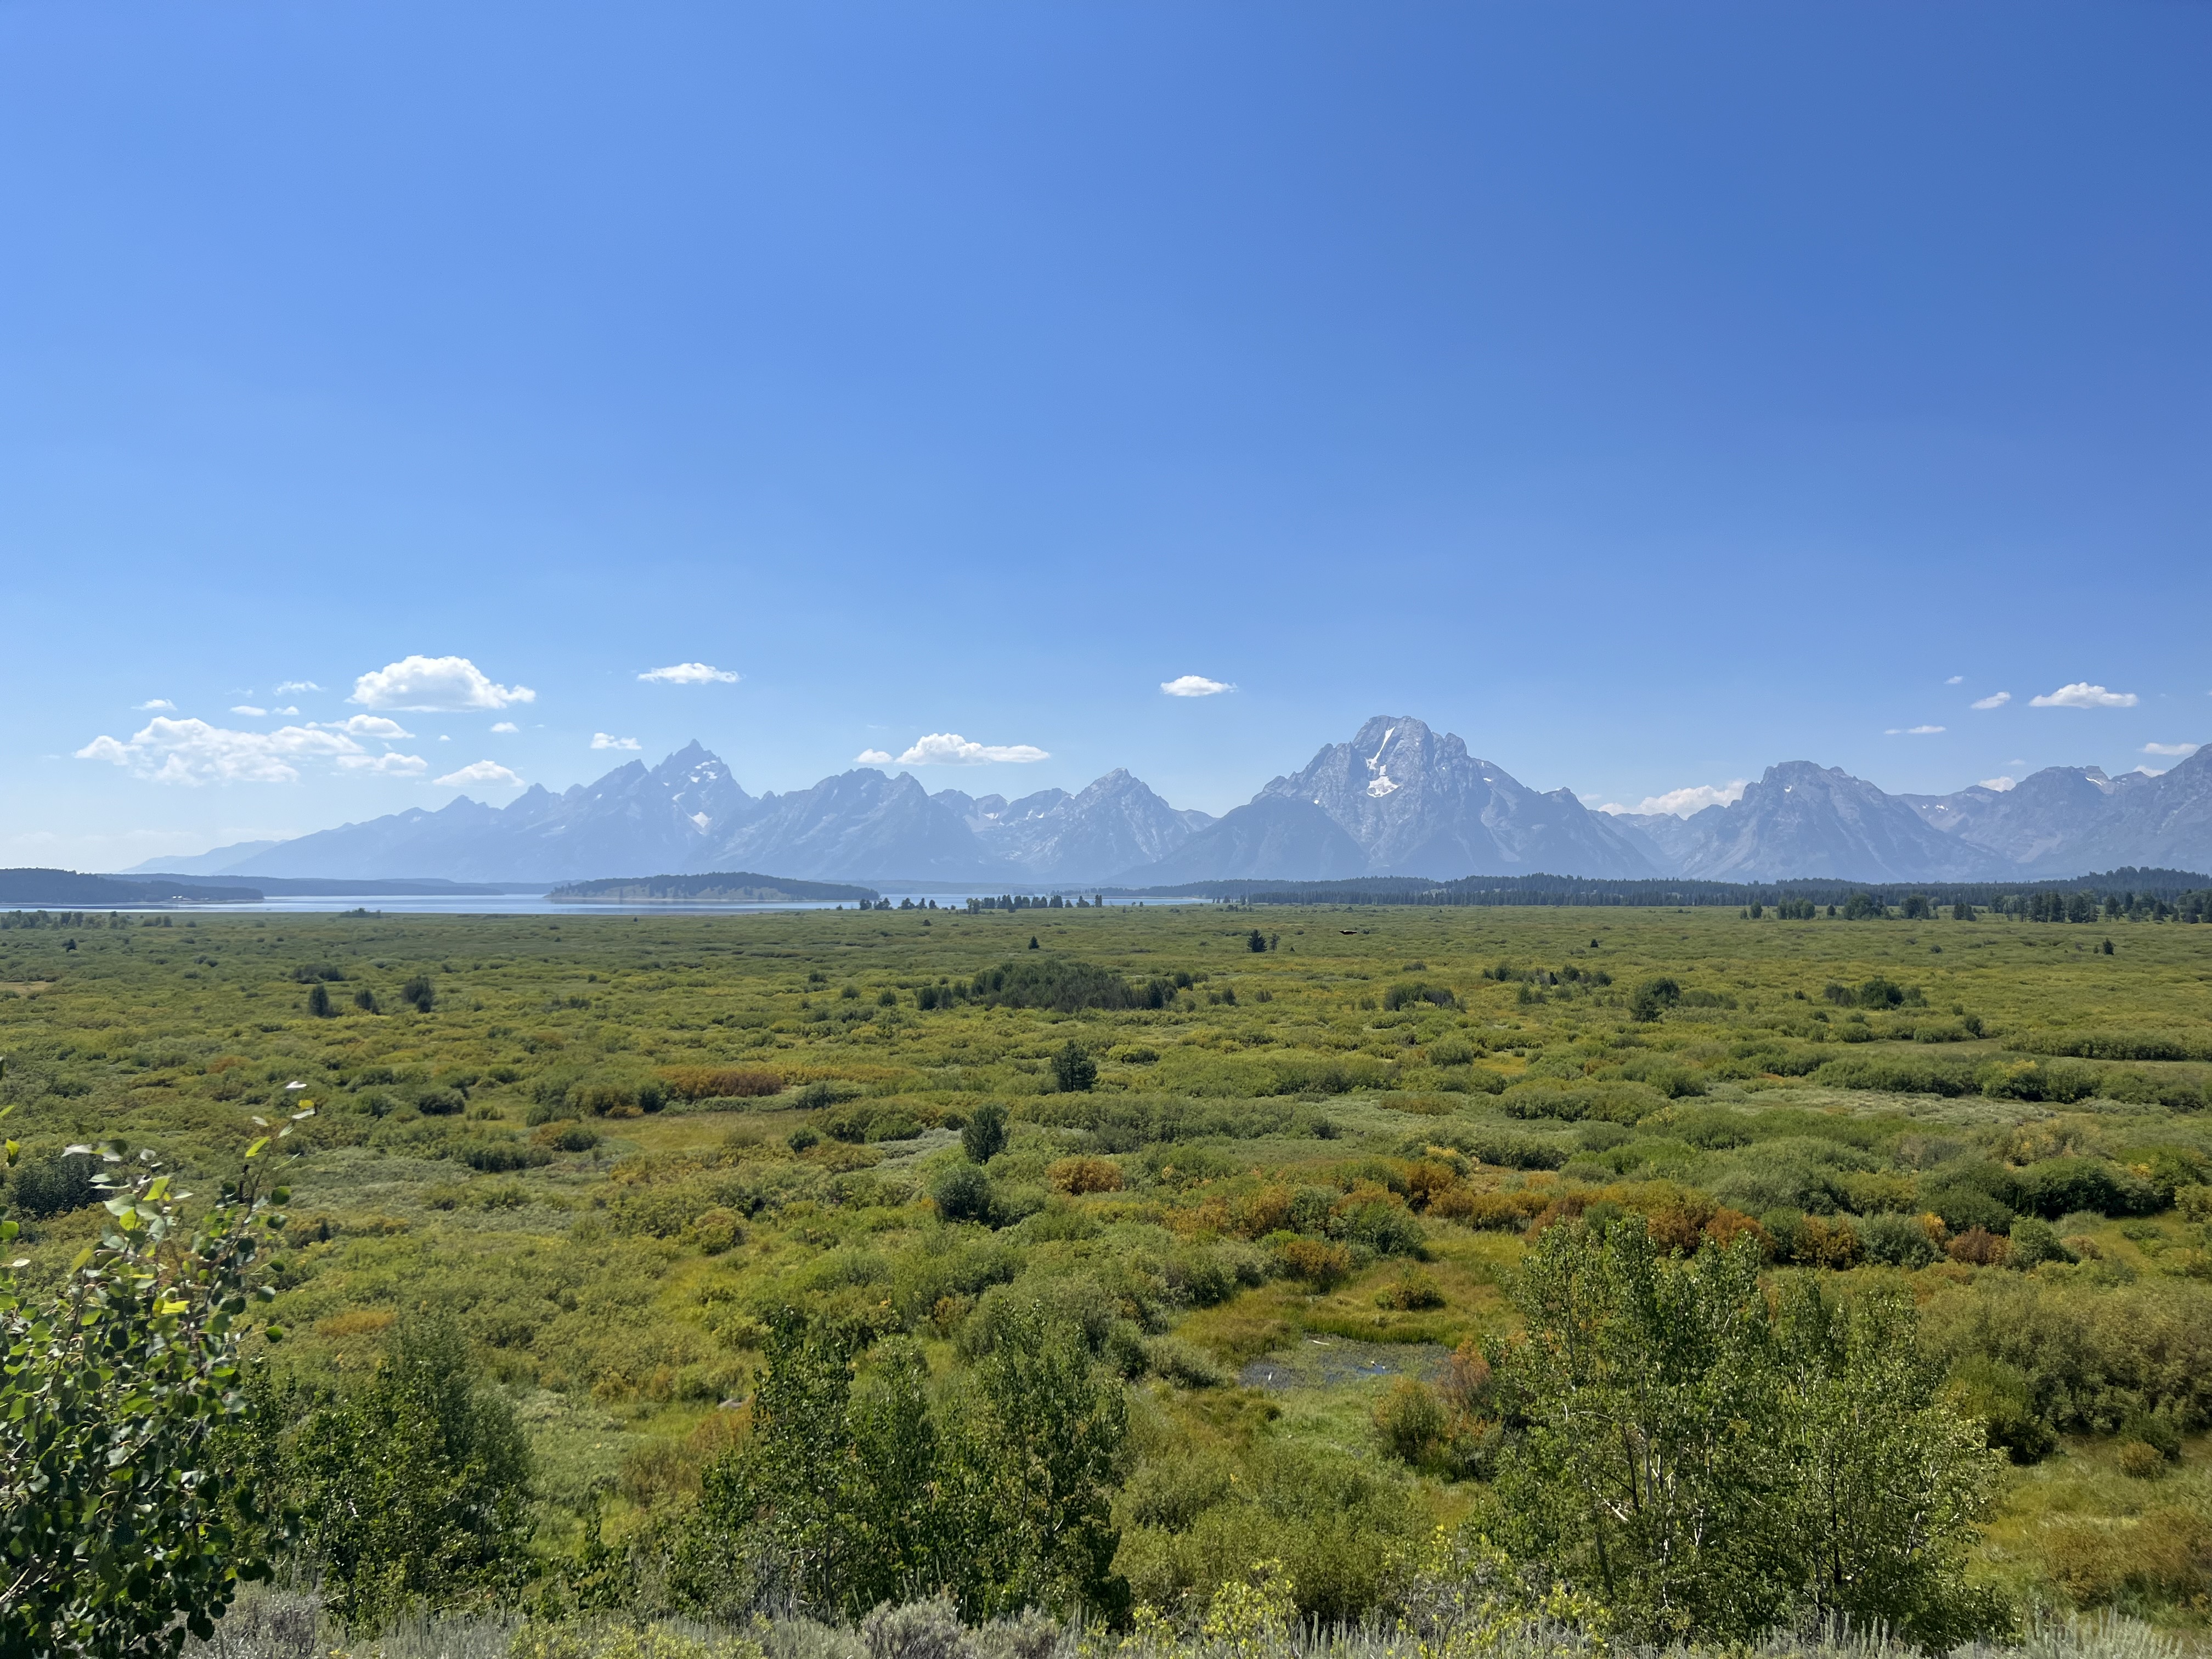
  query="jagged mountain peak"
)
[
  {"x": 1417, "y": 802},
  {"x": 1399, "y": 798},
  {"x": 1802, "y": 819}
]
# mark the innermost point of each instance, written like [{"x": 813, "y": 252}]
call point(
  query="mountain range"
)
[{"x": 1399, "y": 799}]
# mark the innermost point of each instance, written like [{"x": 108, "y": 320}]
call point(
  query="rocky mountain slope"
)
[
  {"x": 1407, "y": 801},
  {"x": 1800, "y": 819},
  {"x": 2069, "y": 820},
  {"x": 1398, "y": 799}
]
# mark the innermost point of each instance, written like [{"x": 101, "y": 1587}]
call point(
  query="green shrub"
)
[
  {"x": 1972, "y": 1193},
  {"x": 1411, "y": 1421},
  {"x": 1301, "y": 1075},
  {"x": 1899, "y": 1074},
  {"x": 1408, "y": 994},
  {"x": 53, "y": 1185},
  {"x": 1127, "y": 1123},
  {"x": 1052, "y": 982},
  {"x": 1615, "y": 1102},
  {"x": 415, "y": 1483},
  {"x": 1637, "y": 1368},
  {"x": 2037, "y": 1080},
  {"x": 1651, "y": 999},
  {"x": 1495, "y": 1145},
  {"x": 1381, "y": 1225},
  {"x": 573, "y": 1138},
  {"x": 498, "y": 1156},
  {"x": 1997, "y": 1395},
  {"x": 1797, "y": 1172},
  {"x": 1897, "y": 1241},
  {"x": 2093, "y": 1354},
  {"x": 2034, "y": 1243},
  {"x": 2116, "y": 1045},
  {"x": 2058, "y": 1186},
  {"x": 1181, "y": 1363},
  {"x": 963, "y": 1193}
]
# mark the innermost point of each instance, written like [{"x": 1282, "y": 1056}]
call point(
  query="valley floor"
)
[{"x": 1281, "y": 1189}]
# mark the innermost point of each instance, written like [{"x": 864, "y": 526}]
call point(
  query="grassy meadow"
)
[{"x": 1280, "y": 1189}]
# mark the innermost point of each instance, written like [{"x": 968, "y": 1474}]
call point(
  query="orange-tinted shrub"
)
[
  {"x": 1728, "y": 1225},
  {"x": 1085, "y": 1175},
  {"x": 1467, "y": 1377},
  {"x": 1426, "y": 1180},
  {"x": 719, "y": 1082},
  {"x": 1508, "y": 1210},
  {"x": 1977, "y": 1247},
  {"x": 1324, "y": 1266},
  {"x": 1268, "y": 1211},
  {"x": 1825, "y": 1243}
]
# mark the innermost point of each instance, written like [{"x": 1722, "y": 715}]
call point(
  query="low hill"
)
[
  {"x": 47, "y": 887},
  {"x": 715, "y": 887},
  {"x": 349, "y": 887}
]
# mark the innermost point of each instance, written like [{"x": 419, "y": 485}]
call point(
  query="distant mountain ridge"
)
[{"x": 1398, "y": 799}]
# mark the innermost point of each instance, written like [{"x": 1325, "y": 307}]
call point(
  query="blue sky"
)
[{"x": 1646, "y": 394}]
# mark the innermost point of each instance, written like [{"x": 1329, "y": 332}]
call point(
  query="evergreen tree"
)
[
  {"x": 983, "y": 1137},
  {"x": 1073, "y": 1070}
]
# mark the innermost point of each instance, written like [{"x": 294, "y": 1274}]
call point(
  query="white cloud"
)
[
  {"x": 440, "y": 685},
  {"x": 951, "y": 749},
  {"x": 388, "y": 766},
  {"x": 366, "y": 725},
  {"x": 505, "y": 726},
  {"x": 2170, "y": 748},
  {"x": 690, "y": 673},
  {"x": 1912, "y": 731},
  {"x": 603, "y": 740},
  {"x": 287, "y": 709},
  {"x": 1955, "y": 679},
  {"x": 192, "y": 752},
  {"x": 1695, "y": 798},
  {"x": 1999, "y": 784},
  {"x": 1996, "y": 699},
  {"x": 1196, "y": 685},
  {"x": 247, "y": 708},
  {"x": 155, "y": 705},
  {"x": 482, "y": 771},
  {"x": 286, "y": 686},
  {"x": 2082, "y": 695}
]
